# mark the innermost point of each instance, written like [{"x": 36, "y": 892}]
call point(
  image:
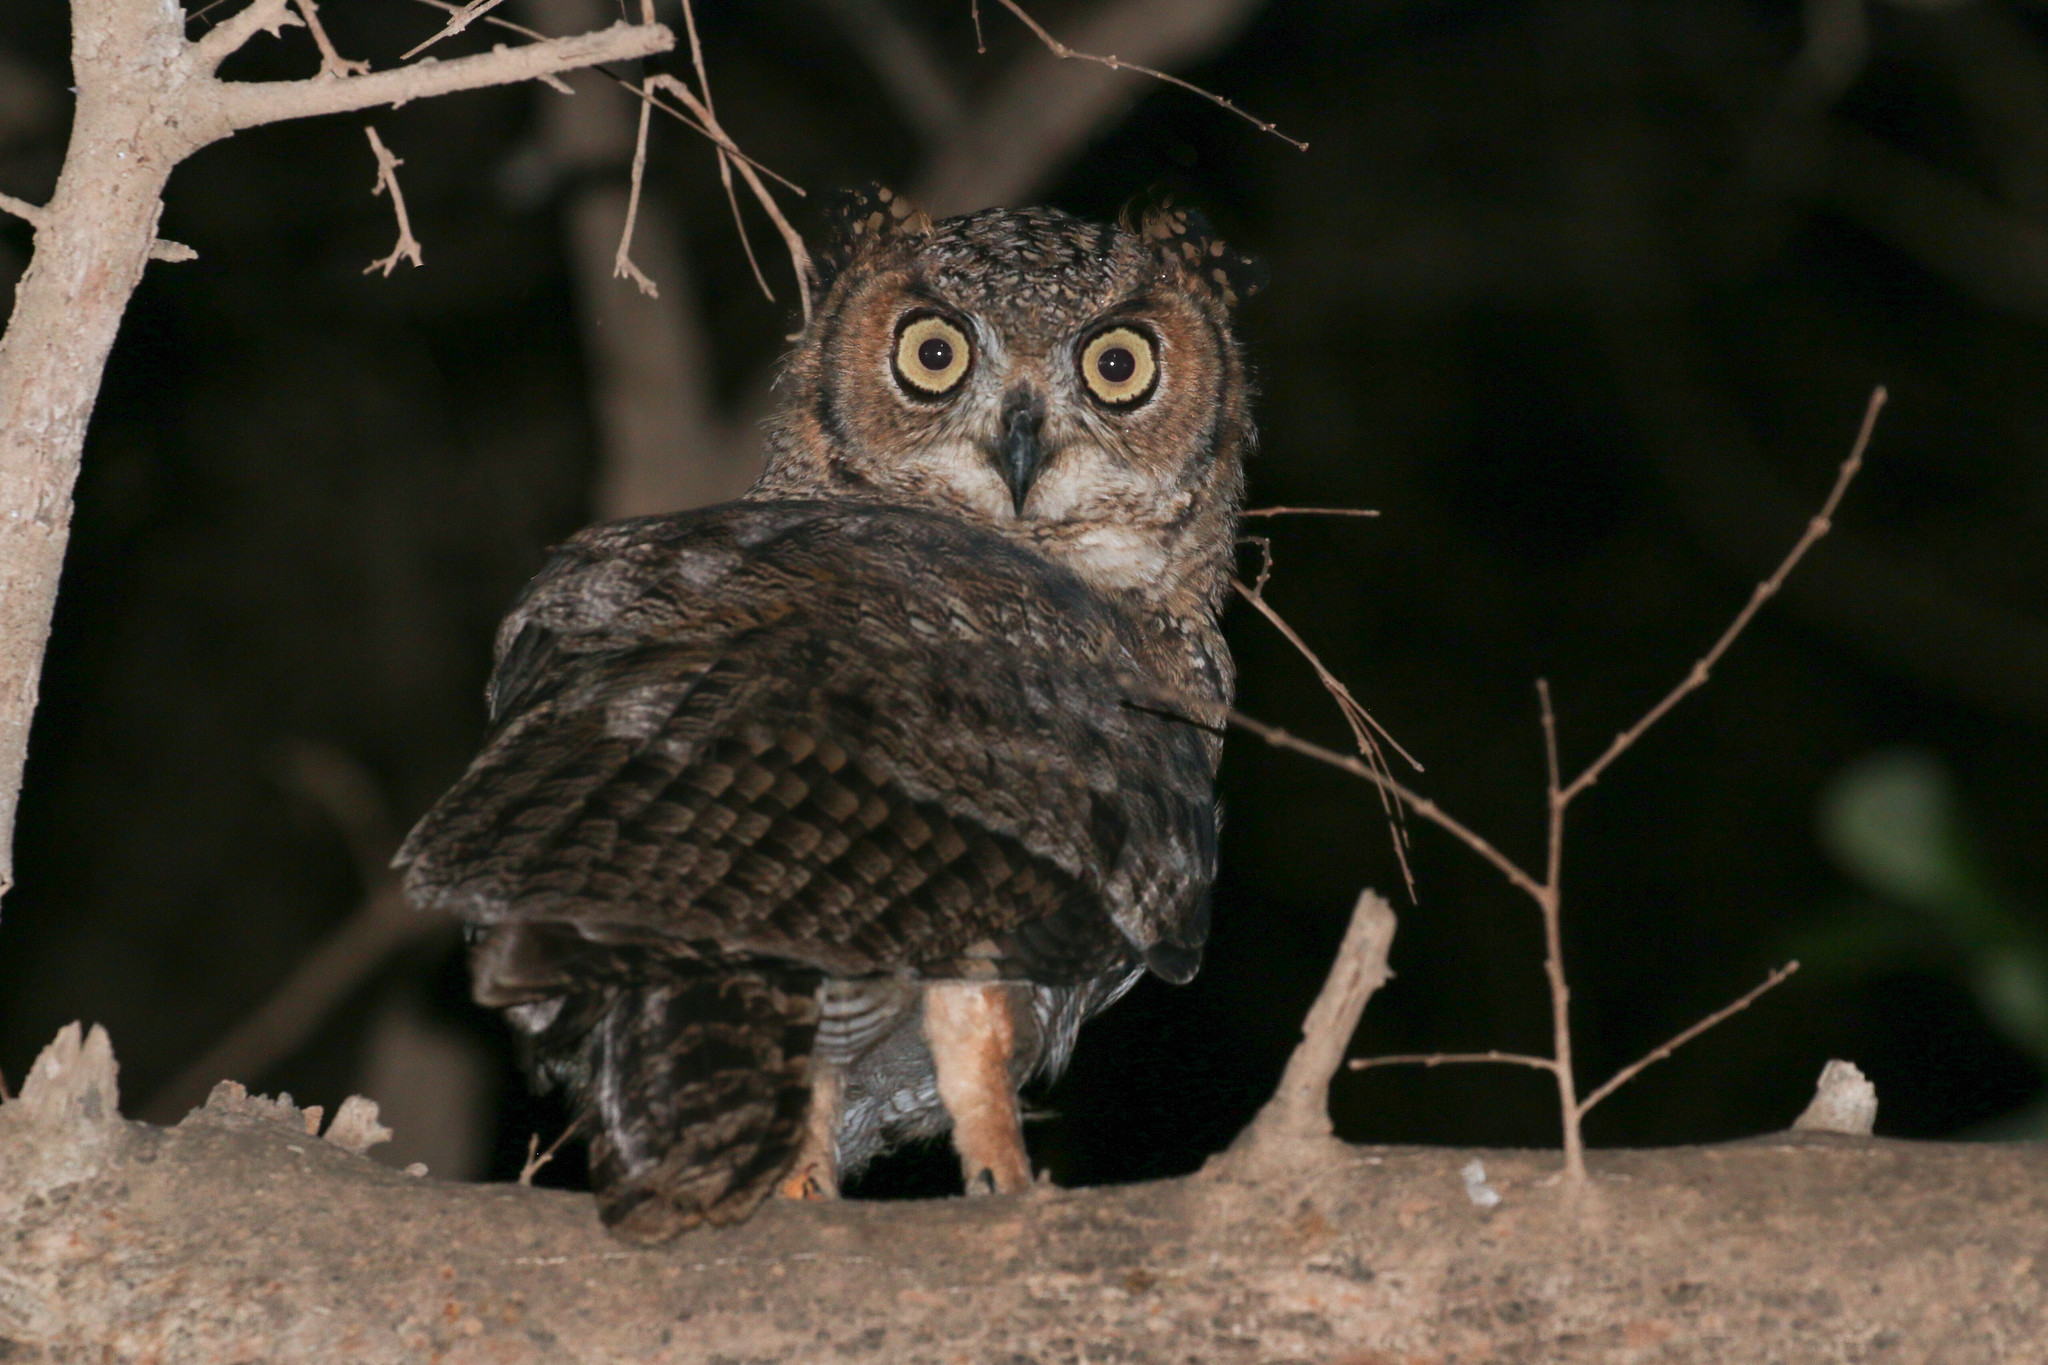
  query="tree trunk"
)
[{"x": 91, "y": 245}]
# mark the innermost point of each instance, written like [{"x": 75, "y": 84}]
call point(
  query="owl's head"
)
[{"x": 1072, "y": 385}]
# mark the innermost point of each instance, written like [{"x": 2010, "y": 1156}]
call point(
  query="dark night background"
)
[{"x": 1585, "y": 297}]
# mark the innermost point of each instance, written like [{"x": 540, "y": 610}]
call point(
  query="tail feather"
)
[{"x": 695, "y": 1090}]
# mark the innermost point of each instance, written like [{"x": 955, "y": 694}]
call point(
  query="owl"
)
[{"x": 818, "y": 822}]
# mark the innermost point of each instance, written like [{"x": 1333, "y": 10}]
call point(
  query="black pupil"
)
[
  {"x": 1116, "y": 364},
  {"x": 935, "y": 353}
]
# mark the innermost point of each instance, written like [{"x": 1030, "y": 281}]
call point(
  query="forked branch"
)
[{"x": 1548, "y": 893}]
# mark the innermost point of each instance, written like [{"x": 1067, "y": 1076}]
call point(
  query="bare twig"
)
[
  {"x": 622, "y": 259},
  {"x": 457, "y": 22},
  {"x": 1558, "y": 796},
  {"x": 246, "y": 104},
  {"x": 1363, "y": 728},
  {"x": 1415, "y": 801},
  {"x": 535, "y": 1159},
  {"x": 408, "y": 248},
  {"x": 1817, "y": 527},
  {"x": 1628, "y": 1073},
  {"x": 1115, "y": 63},
  {"x": 1310, "y": 512},
  {"x": 1265, "y": 544},
  {"x": 792, "y": 240},
  {"x": 1551, "y": 906},
  {"x": 1462, "y": 1058},
  {"x": 1042, "y": 110},
  {"x": 333, "y": 66}
]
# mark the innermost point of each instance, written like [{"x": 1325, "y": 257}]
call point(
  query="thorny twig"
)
[
  {"x": 1115, "y": 63},
  {"x": 1559, "y": 795},
  {"x": 333, "y": 66},
  {"x": 408, "y": 247}
]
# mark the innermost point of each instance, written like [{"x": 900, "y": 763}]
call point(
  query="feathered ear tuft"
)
[
  {"x": 1186, "y": 237},
  {"x": 857, "y": 221}
]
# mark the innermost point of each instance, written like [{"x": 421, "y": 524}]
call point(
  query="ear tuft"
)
[
  {"x": 858, "y": 221},
  {"x": 1186, "y": 237}
]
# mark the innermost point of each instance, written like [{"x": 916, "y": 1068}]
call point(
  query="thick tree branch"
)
[{"x": 238, "y": 1235}]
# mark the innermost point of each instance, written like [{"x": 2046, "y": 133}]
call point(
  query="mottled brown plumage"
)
[{"x": 819, "y": 821}]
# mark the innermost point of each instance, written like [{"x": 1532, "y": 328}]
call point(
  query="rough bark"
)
[{"x": 237, "y": 1236}]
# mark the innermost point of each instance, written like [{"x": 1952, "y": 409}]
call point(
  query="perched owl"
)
[{"x": 819, "y": 821}]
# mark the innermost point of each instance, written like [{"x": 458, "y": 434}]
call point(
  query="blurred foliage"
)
[{"x": 1894, "y": 823}]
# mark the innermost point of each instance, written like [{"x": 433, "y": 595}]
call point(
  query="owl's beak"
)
[{"x": 1018, "y": 452}]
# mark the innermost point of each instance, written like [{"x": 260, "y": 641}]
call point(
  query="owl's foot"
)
[
  {"x": 806, "y": 1185},
  {"x": 972, "y": 1035},
  {"x": 816, "y": 1173}
]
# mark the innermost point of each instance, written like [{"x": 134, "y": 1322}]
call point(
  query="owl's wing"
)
[{"x": 842, "y": 740}]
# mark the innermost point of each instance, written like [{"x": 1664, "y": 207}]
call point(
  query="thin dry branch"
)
[
  {"x": 460, "y": 20},
  {"x": 248, "y": 104},
  {"x": 1816, "y": 527},
  {"x": 333, "y": 66},
  {"x": 1458, "y": 1058},
  {"x": 1115, "y": 63},
  {"x": 1551, "y": 906},
  {"x": 622, "y": 260},
  {"x": 1363, "y": 727},
  {"x": 1042, "y": 110},
  {"x": 1414, "y": 800},
  {"x": 536, "y": 1159},
  {"x": 1658, "y": 1054},
  {"x": 408, "y": 248},
  {"x": 1310, "y": 512},
  {"x": 1558, "y": 796},
  {"x": 792, "y": 240}
]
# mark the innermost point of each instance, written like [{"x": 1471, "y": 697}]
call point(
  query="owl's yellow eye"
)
[
  {"x": 1118, "y": 367},
  {"x": 931, "y": 356}
]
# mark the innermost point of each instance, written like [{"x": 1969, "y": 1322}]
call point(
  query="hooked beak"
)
[{"x": 1018, "y": 453}]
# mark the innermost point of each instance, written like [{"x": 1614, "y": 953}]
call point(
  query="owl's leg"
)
[
  {"x": 816, "y": 1173},
  {"x": 972, "y": 1034}
]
